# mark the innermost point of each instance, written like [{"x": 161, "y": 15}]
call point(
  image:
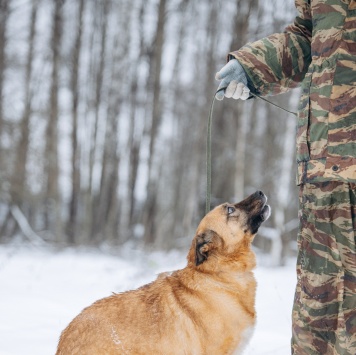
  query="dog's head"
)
[{"x": 227, "y": 231}]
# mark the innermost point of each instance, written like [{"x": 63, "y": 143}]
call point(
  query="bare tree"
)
[
  {"x": 96, "y": 106},
  {"x": 155, "y": 84},
  {"x": 4, "y": 15},
  {"x": 99, "y": 79},
  {"x": 107, "y": 211},
  {"x": 134, "y": 135},
  {"x": 19, "y": 176},
  {"x": 52, "y": 212},
  {"x": 74, "y": 85}
]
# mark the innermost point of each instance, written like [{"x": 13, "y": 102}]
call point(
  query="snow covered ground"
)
[{"x": 42, "y": 290}]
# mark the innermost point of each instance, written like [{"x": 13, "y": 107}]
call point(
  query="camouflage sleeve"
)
[{"x": 280, "y": 61}]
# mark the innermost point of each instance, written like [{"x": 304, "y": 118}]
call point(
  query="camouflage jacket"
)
[{"x": 319, "y": 50}]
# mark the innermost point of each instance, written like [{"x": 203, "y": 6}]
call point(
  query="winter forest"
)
[{"x": 103, "y": 120}]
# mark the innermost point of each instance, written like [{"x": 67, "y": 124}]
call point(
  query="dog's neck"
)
[{"x": 240, "y": 260}]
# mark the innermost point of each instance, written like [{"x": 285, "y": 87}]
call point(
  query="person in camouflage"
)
[{"x": 319, "y": 50}]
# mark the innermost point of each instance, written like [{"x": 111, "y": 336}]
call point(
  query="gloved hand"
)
[{"x": 232, "y": 76}]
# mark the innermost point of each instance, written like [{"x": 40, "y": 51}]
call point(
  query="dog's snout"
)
[
  {"x": 260, "y": 196},
  {"x": 260, "y": 193}
]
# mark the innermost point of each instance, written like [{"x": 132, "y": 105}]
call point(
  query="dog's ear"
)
[{"x": 203, "y": 245}]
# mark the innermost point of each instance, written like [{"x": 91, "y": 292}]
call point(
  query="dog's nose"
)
[{"x": 260, "y": 193}]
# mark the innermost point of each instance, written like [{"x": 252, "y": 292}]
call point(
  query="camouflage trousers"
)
[{"x": 324, "y": 311}]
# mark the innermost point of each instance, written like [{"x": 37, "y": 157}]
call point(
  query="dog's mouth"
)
[
  {"x": 255, "y": 221},
  {"x": 257, "y": 210}
]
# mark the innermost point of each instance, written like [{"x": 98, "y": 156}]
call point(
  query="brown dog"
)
[{"x": 205, "y": 308}]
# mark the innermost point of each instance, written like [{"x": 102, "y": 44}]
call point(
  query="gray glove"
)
[{"x": 233, "y": 77}]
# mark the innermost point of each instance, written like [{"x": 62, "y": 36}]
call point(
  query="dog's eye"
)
[{"x": 230, "y": 210}]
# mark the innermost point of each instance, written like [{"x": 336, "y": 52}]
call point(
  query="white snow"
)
[{"x": 42, "y": 290}]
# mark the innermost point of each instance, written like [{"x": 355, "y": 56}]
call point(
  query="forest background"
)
[{"x": 103, "y": 120}]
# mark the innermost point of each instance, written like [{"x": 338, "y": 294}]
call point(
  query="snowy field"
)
[{"x": 42, "y": 290}]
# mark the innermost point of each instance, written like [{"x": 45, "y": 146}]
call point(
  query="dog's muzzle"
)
[{"x": 257, "y": 210}]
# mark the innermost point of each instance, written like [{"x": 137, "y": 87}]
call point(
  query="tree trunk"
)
[
  {"x": 53, "y": 213},
  {"x": 106, "y": 212},
  {"x": 74, "y": 85},
  {"x": 99, "y": 79},
  {"x": 4, "y": 15},
  {"x": 135, "y": 132},
  {"x": 156, "y": 63},
  {"x": 179, "y": 165},
  {"x": 98, "y": 87},
  {"x": 18, "y": 181}
]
